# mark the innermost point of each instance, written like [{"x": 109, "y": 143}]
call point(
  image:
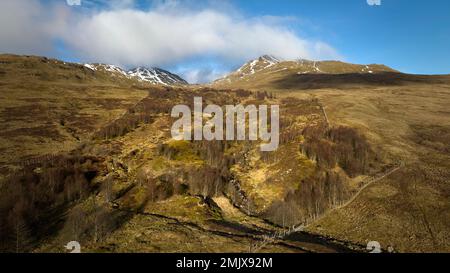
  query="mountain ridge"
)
[
  {"x": 157, "y": 75},
  {"x": 269, "y": 64},
  {"x": 153, "y": 75}
]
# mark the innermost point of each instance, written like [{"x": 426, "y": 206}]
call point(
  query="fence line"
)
[{"x": 267, "y": 239}]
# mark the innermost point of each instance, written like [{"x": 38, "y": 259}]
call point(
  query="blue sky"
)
[
  {"x": 409, "y": 35},
  {"x": 202, "y": 40}
]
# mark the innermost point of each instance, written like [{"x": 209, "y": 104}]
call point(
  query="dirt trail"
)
[
  {"x": 301, "y": 241},
  {"x": 297, "y": 231},
  {"x": 369, "y": 182},
  {"x": 322, "y": 108}
]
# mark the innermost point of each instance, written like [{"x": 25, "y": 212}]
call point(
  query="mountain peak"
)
[
  {"x": 106, "y": 68},
  {"x": 269, "y": 58},
  {"x": 256, "y": 65},
  {"x": 153, "y": 75},
  {"x": 268, "y": 66},
  {"x": 156, "y": 75}
]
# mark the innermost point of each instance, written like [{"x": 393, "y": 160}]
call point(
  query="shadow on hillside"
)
[{"x": 317, "y": 81}]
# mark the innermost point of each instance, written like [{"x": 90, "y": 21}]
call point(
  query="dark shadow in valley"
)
[{"x": 317, "y": 81}]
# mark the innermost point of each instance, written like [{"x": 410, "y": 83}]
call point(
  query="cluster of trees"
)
[
  {"x": 216, "y": 177},
  {"x": 262, "y": 95},
  {"x": 324, "y": 190},
  {"x": 157, "y": 102},
  {"x": 329, "y": 147},
  {"x": 123, "y": 125},
  {"x": 321, "y": 151},
  {"x": 354, "y": 152},
  {"x": 213, "y": 152},
  {"x": 176, "y": 149},
  {"x": 316, "y": 194},
  {"x": 327, "y": 187},
  {"x": 290, "y": 134},
  {"x": 207, "y": 180},
  {"x": 93, "y": 222},
  {"x": 161, "y": 187},
  {"x": 342, "y": 145},
  {"x": 284, "y": 213},
  {"x": 32, "y": 199},
  {"x": 292, "y": 108},
  {"x": 242, "y": 93},
  {"x": 161, "y": 101}
]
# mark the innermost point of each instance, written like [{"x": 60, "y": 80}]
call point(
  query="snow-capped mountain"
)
[
  {"x": 250, "y": 68},
  {"x": 107, "y": 68},
  {"x": 258, "y": 64},
  {"x": 153, "y": 75},
  {"x": 157, "y": 76},
  {"x": 269, "y": 67}
]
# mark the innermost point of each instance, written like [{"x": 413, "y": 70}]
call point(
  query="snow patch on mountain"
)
[
  {"x": 90, "y": 66},
  {"x": 257, "y": 65},
  {"x": 157, "y": 76},
  {"x": 114, "y": 69},
  {"x": 153, "y": 75},
  {"x": 367, "y": 69}
]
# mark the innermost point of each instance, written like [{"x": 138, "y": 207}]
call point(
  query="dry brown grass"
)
[
  {"x": 406, "y": 121},
  {"x": 47, "y": 106}
]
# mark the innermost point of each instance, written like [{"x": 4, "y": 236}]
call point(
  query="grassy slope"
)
[
  {"x": 407, "y": 118},
  {"x": 410, "y": 123},
  {"x": 400, "y": 118},
  {"x": 48, "y": 106},
  {"x": 288, "y": 74},
  {"x": 51, "y": 107}
]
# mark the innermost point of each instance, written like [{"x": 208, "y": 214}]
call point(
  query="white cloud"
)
[
  {"x": 28, "y": 27},
  {"x": 168, "y": 35},
  {"x": 200, "y": 75}
]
